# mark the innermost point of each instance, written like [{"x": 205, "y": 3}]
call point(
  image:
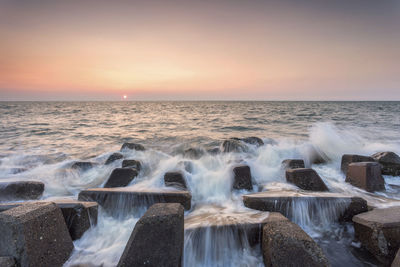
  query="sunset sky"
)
[{"x": 200, "y": 50}]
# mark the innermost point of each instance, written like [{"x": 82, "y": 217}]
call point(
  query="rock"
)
[
  {"x": 253, "y": 141},
  {"x": 121, "y": 177},
  {"x": 365, "y": 175},
  {"x": 233, "y": 145},
  {"x": 314, "y": 204},
  {"x": 35, "y": 235},
  {"x": 175, "y": 179},
  {"x": 306, "y": 179},
  {"x": 193, "y": 153},
  {"x": 293, "y": 164},
  {"x": 82, "y": 165},
  {"x": 347, "y": 159},
  {"x": 131, "y": 163},
  {"x": 132, "y": 146},
  {"x": 21, "y": 190},
  {"x": 126, "y": 200},
  {"x": 242, "y": 178},
  {"x": 214, "y": 151},
  {"x": 379, "y": 232},
  {"x": 396, "y": 262},
  {"x": 79, "y": 216},
  {"x": 389, "y": 161},
  {"x": 286, "y": 244},
  {"x": 113, "y": 157},
  {"x": 157, "y": 239},
  {"x": 7, "y": 262}
]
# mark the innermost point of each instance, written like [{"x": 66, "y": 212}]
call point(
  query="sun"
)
[{"x": 124, "y": 97}]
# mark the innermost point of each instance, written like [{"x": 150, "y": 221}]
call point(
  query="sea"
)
[{"x": 41, "y": 140}]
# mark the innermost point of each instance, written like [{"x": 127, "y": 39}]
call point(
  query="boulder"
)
[
  {"x": 175, "y": 179},
  {"x": 293, "y": 164},
  {"x": 79, "y": 216},
  {"x": 132, "y": 146},
  {"x": 314, "y": 204},
  {"x": 242, "y": 178},
  {"x": 396, "y": 262},
  {"x": 126, "y": 200},
  {"x": 21, "y": 190},
  {"x": 306, "y": 179},
  {"x": 121, "y": 177},
  {"x": 131, "y": 163},
  {"x": 365, "y": 175},
  {"x": 233, "y": 145},
  {"x": 82, "y": 165},
  {"x": 389, "y": 161},
  {"x": 35, "y": 235},
  {"x": 113, "y": 157},
  {"x": 157, "y": 239},
  {"x": 286, "y": 244},
  {"x": 347, "y": 159},
  {"x": 379, "y": 232},
  {"x": 7, "y": 262}
]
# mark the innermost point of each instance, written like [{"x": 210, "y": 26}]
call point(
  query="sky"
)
[{"x": 200, "y": 50}]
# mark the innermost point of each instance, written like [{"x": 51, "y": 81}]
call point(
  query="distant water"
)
[{"x": 40, "y": 140}]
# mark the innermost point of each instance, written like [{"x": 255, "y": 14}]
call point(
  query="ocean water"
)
[{"x": 40, "y": 141}]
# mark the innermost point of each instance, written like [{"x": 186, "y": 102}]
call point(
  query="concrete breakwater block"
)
[
  {"x": 325, "y": 205},
  {"x": 121, "y": 177},
  {"x": 21, "y": 190},
  {"x": 79, "y": 216},
  {"x": 242, "y": 178},
  {"x": 132, "y": 146},
  {"x": 35, "y": 235},
  {"x": 389, "y": 161},
  {"x": 132, "y": 163},
  {"x": 125, "y": 200},
  {"x": 350, "y": 158},
  {"x": 286, "y": 244},
  {"x": 157, "y": 239},
  {"x": 306, "y": 179},
  {"x": 365, "y": 175},
  {"x": 293, "y": 164},
  {"x": 175, "y": 179},
  {"x": 379, "y": 232}
]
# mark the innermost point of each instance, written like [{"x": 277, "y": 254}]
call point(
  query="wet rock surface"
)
[
  {"x": 114, "y": 157},
  {"x": 82, "y": 165},
  {"x": 306, "y": 179},
  {"x": 35, "y": 235},
  {"x": 132, "y": 146},
  {"x": 286, "y": 244},
  {"x": 396, "y": 261},
  {"x": 379, "y": 232},
  {"x": 293, "y": 164},
  {"x": 131, "y": 163},
  {"x": 124, "y": 200},
  {"x": 121, "y": 177},
  {"x": 21, "y": 190},
  {"x": 175, "y": 179},
  {"x": 336, "y": 206},
  {"x": 242, "y": 178},
  {"x": 389, "y": 161},
  {"x": 365, "y": 175},
  {"x": 351, "y": 158},
  {"x": 7, "y": 262},
  {"x": 157, "y": 239},
  {"x": 239, "y": 144}
]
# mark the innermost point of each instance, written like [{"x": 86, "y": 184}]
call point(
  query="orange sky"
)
[{"x": 199, "y": 50}]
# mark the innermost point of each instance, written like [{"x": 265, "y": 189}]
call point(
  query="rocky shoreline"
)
[{"x": 41, "y": 233}]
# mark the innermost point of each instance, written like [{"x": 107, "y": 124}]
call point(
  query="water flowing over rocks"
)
[
  {"x": 365, "y": 175},
  {"x": 286, "y": 244},
  {"x": 132, "y": 146},
  {"x": 239, "y": 144},
  {"x": 293, "y": 164},
  {"x": 122, "y": 201},
  {"x": 35, "y": 235},
  {"x": 82, "y": 165},
  {"x": 114, "y": 157},
  {"x": 175, "y": 179},
  {"x": 242, "y": 178},
  {"x": 21, "y": 190},
  {"x": 131, "y": 163},
  {"x": 157, "y": 239},
  {"x": 318, "y": 207},
  {"x": 121, "y": 177},
  {"x": 193, "y": 153},
  {"x": 389, "y": 161},
  {"x": 306, "y": 179},
  {"x": 351, "y": 158},
  {"x": 379, "y": 232}
]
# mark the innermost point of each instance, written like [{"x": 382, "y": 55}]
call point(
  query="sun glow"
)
[{"x": 125, "y": 97}]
